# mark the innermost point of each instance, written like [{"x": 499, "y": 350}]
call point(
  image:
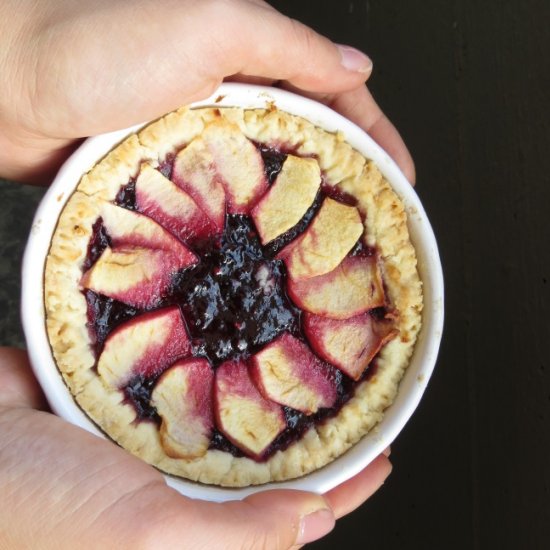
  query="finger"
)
[
  {"x": 359, "y": 106},
  {"x": 300, "y": 517},
  {"x": 387, "y": 136},
  {"x": 40, "y": 161},
  {"x": 347, "y": 497},
  {"x": 285, "y": 49},
  {"x": 18, "y": 386},
  {"x": 277, "y": 519}
]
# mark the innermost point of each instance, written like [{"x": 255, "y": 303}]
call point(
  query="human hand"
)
[
  {"x": 65, "y": 488},
  {"x": 72, "y": 69}
]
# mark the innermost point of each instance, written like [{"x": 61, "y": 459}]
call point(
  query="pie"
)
[{"x": 232, "y": 295}]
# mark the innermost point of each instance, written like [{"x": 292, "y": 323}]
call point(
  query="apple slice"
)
[
  {"x": 286, "y": 372},
  {"x": 127, "y": 228},
  {"x": 173, "y": 208},
  {"x": 239, "y": 164},
  {"x": 325, "y": 243},
  {"x": 136, "y": 276},
  {"x": 248, "y": 420},
  {"x": 349, "y": 344},
  {"x": 195, "y": 172},
  {"x": 137, "y": 270},
  {"x": 183, "y": 399},
  {"x": 143, "y": 346},
  {"x": 288, "y": 199},
  {"x": 354, "y": 287}
]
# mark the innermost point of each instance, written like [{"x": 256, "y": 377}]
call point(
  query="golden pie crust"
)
[{"x": 385, "y": 228}]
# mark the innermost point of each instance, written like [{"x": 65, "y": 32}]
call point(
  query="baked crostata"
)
[{"x": 232, "y": 295}]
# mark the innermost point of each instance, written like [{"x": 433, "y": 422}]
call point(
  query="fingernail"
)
[
  {"x": 387, "y": 451},
  {"x": 354, "y": 60},
  {"x": 315, "y": 525}
]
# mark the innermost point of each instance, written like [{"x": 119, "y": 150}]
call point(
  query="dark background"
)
[{"x": 467, "y": 83}]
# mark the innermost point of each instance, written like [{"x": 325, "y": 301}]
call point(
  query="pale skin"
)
[{"x": 72, "y": 69}]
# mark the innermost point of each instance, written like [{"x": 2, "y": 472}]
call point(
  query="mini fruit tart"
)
[{"x": 232, "y": 295}]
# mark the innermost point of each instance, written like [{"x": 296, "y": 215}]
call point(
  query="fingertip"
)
[
  {"x": 354, "y": 60},
  {"x": 386, "y": 467},
  {"x": 315, "y": 526},
  {"x": 389, "y": 138},
  {"x": 309, "y": 60},
  {"x": 299, "y": 517},
  {"x": 351, "y": 494}
]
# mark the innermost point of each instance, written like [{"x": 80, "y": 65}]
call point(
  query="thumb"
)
[
  {"x": 289, "y": 517},
  {"x": 284, "y": 49},
  {"x": 271, "y": 520}
]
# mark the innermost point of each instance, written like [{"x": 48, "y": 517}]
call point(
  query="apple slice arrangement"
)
[{"x": 232, "y": 298}]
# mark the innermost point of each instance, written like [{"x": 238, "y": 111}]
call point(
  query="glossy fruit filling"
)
[{"x": 234, "y": 300}]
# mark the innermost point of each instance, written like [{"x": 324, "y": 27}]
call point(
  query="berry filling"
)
[
  {"x": 98, "y": 243},
  {"x": 138, "y": 392},
  {"x": 126, "y": 197},
  {"x": 234, "y": 300},
  {"x": 273, "y": 160},
  {"x": 104, "y": 314}
]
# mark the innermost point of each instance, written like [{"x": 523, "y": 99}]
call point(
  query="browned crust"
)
[{"x": 385, "y": 225}]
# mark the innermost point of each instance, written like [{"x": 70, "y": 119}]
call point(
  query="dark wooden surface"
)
[{"x": 467, "y": 83}]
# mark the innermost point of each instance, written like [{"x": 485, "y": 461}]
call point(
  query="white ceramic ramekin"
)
[{"x": 418, "y": 373}]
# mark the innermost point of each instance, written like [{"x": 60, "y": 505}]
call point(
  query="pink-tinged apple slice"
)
[
  {"x": 239, "y": 164},
  {"x": 325, "y": 243},
  {"x": 163, "y": 201},
  {"x": 183, "y": 399},
  {"x": 354, "y": 287},
  {"x": 144, "y": 346},
  {"x": 136, "y": 276},
  {"x": 348, "y": 344},
  {"x": 248, "y": 420},
  {"x": 195, "y": 172},
  {"x": 137, "y": 270},
  {"x": 287, "y": 372},
  {"x": 132, "y": 229},
  {"x": 288, "y": 199}
]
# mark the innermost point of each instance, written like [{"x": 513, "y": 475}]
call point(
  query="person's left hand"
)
[
  {"x": 72, "y": 69},
  {"x": 65, "y": 488}
]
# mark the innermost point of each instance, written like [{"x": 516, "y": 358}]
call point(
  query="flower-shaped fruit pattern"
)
[{"x": 232, "y": 298}]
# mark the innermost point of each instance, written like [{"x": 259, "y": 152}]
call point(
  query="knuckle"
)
[{"x": 302, "y": 38}]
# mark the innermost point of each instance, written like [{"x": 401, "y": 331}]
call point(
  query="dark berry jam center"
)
[{"x": 234, "y": 300}]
